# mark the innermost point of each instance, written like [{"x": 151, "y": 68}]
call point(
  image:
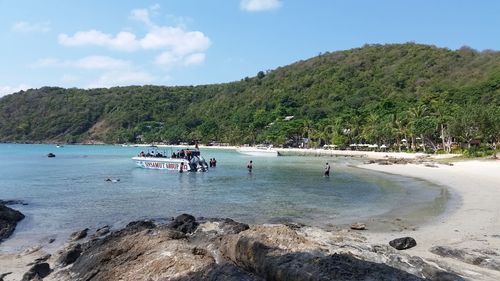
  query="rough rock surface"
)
[
  {"x": 488, "y": 259},
  {"x": 70, "y": 255},
  {"x": 37, "y": 272},
  {"x": 77, "y": 235},
  {"x": 184, "y": 223},
  {"x": 8, "y": 221},
  {"x": 222, "y": 249},
  {"x": 403, "y": 243}
]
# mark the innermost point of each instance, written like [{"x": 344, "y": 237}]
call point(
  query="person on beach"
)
[
  {"x": 250, "y": 166},
  {"x": 327, "y": 170}
]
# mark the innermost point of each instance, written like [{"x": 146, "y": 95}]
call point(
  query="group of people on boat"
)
[
  {"x": 180, "y": 154},
  {"x": 185, "y": 154}
]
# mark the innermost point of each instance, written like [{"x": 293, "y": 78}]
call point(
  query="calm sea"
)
[{"x": 70, "y": 192}]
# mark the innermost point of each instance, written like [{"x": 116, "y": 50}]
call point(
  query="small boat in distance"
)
[
  {"x": 259, "y": 150},
  {"x": 187, "y": 161}
]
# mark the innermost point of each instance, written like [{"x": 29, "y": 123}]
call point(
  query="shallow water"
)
[{"x": 69, "y": 192}]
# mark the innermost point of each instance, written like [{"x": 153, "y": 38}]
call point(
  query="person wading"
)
[
  {"x": 327, "y": 170},
  {"x": 250, "y": 166}
]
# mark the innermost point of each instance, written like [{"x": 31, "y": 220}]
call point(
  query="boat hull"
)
[{"x": 162, "y": 163}]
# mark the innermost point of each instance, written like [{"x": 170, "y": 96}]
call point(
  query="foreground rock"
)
[
  {"x": 222, "y": 249},
  {"x": 487, "y": 259},
  {"x": 8, "y": 221},
  {"x": 37, "y": 272}
]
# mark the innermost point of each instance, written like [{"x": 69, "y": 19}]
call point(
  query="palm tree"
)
[{"x": 416, "y": 113}]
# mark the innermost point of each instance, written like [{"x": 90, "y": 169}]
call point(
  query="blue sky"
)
[{"x": 94, "y": 43}]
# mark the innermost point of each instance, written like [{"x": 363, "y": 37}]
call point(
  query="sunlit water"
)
[{"x": 69, "y": 192}]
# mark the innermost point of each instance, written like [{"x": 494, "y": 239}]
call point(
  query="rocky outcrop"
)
[
  {"x": 487, "y": 259},
  {"x": 70, "y": 255},
  {"x": 37, "y": 272},
  {"x": 184, "y": 223},
  {"x": 222, "y": 249},
  {"x": 8, "y": 221},
  {"x": 77, "y": 235}
]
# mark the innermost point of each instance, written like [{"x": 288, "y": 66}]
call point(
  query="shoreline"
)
[
  {"x": 472, "y": 223},
  {"x": 368, "y": 155}
]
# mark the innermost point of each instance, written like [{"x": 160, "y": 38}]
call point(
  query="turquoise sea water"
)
[{"x": 69, "y": 192}]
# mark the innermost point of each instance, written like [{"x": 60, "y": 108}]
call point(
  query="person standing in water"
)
[
  {"x": 250, "y": 166},
  {"x": 327, "y": 170}
]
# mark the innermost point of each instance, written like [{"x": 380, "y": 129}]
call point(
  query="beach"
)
[{"x": 472, "y": 223}]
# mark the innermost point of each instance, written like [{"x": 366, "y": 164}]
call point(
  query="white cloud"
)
[
  {"x": 194, "y": 59},
  {"x": 7, "y": 90},
  {"x": 178, "y": 46},
  {"x": 123, "y": 78},
  {"x": 89, "y": 62},
  {"x": 27, "y": 27},
  {"x": 260, "y": 5},
  {"x": 123, "y": 41}
]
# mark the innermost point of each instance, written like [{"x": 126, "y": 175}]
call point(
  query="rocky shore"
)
[
  {"x": 222, "y": 249},
  {"x": 8, "y": 218}
]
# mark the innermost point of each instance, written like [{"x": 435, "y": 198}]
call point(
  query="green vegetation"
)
[{"x": 406, "y": 96}]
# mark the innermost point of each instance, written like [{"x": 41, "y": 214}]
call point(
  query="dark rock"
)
[
  {"x": 199, "y": 251},
  {"x": 13, "y": 202},
  {"x": 184, "y": 223},
  {"x": 229, "y": 226},
  {"x": 294, "y": 226},
  {"x": 2, "y": 275},
  {"x": 37, "y": 272},
  {"x": 71, "y": 255},
  {"x": 8, "y": 221},
  {"x": 102, "y": 231},
  {"x": 77, "y": 235},
  {"x": 403, "y": 243},
  {"x": 140, "y": 225}
]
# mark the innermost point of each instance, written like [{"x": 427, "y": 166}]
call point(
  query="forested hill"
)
[{"x": 374, "y": 94}]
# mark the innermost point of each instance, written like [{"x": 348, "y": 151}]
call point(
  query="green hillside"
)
[{"x": 374, "y": 94}]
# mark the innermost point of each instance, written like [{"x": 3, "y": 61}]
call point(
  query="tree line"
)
[{"x": 403, "y": 96}]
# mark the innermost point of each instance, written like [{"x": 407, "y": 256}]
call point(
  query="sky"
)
[{"x": 96, "y": 43}]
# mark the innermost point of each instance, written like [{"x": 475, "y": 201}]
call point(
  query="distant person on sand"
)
[
  {"x": 250, "y": 166},
  {"x": 327, "y": 170}
]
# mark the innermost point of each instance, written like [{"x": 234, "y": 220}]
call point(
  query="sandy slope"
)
[{"x": 474, "y": 223}]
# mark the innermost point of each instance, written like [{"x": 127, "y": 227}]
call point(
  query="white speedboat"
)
[
  {"x": 194, "y": 163},
  {"x": 259, "y": 150}
]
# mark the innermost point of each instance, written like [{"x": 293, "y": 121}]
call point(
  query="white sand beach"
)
[{"x": 472, "y": 224}]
